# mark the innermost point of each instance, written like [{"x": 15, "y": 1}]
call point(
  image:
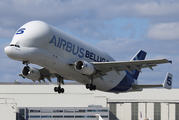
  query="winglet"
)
[
  {"x": 168, "y": 81},
  {"x": 170, "y": 61}
]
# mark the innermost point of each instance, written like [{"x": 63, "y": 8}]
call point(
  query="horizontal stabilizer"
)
[
  {"x": 146, "y": 86},
  {"x": 167, "y": 84}
]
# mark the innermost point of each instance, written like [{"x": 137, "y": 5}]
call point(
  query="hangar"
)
[{"x": 38, "y": 101}]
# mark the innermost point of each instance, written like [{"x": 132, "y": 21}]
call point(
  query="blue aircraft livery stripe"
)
[
  {"x": 76, "y": 50},
  {"x": 20, "y": 31},
  {"x": 124, "y": 85}
]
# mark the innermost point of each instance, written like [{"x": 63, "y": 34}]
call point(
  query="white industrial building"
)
[{"x": 29, "y": 101}]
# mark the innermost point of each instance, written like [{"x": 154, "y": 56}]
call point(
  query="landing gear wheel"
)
[
  {"x": 61, "y": 90},
  {"x": 94, "y": 87},
  {"x": 91, "y": 87},
  {"x": 87, "y": 86},
  {"x": 56, "y": 89}
]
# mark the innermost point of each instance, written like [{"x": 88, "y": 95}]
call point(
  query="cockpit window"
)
[
  {"x": 15, "y": 45},
  {"x": 12, "y": 45}
]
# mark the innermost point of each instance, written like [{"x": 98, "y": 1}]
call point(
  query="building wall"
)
[
  {"x": 127, "y": 111},
  {"x": 120, "y": 108},
  {"x": 42, "y": 95},
  {"x": 142, "y": 110},
  {"x": 150, "y": 109},
  {"x": 62, "y": 113},
  {"x": 145, "y": 110},
  {"x": 164, "y": 111},
  {"x": 172, "y": 114},
  {"x": 7, "y": 109}
]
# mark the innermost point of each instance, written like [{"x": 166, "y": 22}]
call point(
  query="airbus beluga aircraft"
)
[{"x": 66, "y": 57}]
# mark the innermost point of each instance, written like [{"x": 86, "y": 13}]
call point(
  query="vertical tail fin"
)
[{"x": 139, "y": 56}]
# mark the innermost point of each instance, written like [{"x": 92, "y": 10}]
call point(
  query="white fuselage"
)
[{"x": 53, "y": 49}]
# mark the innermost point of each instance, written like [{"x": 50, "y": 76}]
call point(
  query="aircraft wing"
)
[
  {"x": 117, "y": 66},
  {"x": 46, "y": 74}
]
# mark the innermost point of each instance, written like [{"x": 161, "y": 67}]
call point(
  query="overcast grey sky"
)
[{"x": 119, "y": 27}]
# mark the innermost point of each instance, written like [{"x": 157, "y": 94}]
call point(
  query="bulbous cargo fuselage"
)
[{"x": 44, "y": 45}]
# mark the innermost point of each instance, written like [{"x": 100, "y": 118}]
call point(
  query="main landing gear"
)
[
  {"x": 91, "y": 86},
  {"x": 59, "y": 89},
  {"x": 59, "y": 82}
]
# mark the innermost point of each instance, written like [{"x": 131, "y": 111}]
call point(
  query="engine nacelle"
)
[
  {"x": 84, "y": 67},
  {"x": 31, "y": 73}
]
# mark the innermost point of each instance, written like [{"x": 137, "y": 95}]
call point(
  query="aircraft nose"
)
[
  {"x": 8, "y": 51},
  {"x": 15, "y": 52}
]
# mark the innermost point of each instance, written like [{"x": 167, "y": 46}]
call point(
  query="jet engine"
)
[
  {"x": 84, "y": 67},
  {"x": 31, "y": 73}
]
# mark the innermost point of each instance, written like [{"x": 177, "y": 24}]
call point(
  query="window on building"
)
[
  {"x": 102, "y": 110},
  {"x": 57, "y": 111},
  {"x": 157, "y": 111},
  {"x": 34, "y": 111},
  {"x": 91, "y": 116},
  {"x": 103, "y": 116},
  {"x": 79, "y": 116},
  {"x": 80, "y": 111},
  {"x": 68, "y": 116},
  {"x": 91, "y": 110},
  {"x": 35, "y": 116},
  {"x": 22, "y": 114},
  {"x": 46, "y": 111},
  {"x": 112, "y": 111},
  {"x": 176, "y": 111},
  {"x": 68, "y": 111},
  {"x": 134, "y": 111},
  {"x": 57, "y": 116},
  {"x": 46, "y": 116}
]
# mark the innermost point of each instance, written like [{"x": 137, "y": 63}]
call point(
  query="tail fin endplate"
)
[{"x": 168, "y": 81}]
